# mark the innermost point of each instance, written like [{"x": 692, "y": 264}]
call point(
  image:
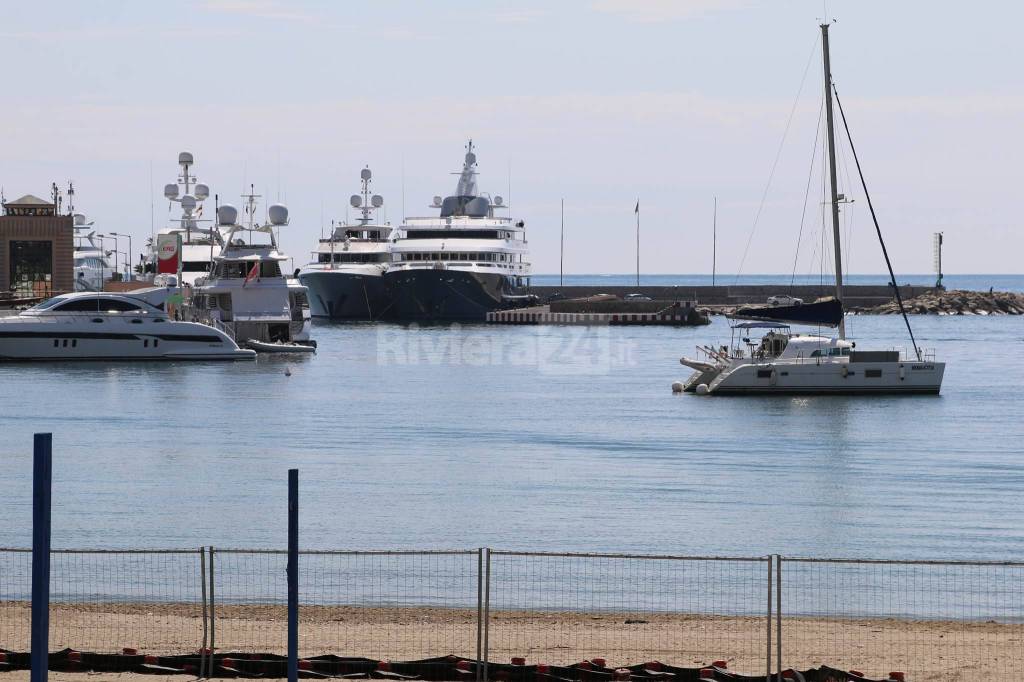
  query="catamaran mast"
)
[{"x": 832, "y": 174}]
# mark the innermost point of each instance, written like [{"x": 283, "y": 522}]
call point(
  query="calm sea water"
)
[{"x": 525, "y": 437}]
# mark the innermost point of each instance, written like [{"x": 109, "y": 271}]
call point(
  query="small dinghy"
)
[{"x": 279, "y": 347}]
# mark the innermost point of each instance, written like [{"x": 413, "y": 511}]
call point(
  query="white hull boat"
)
[{"x": 95, "y": 326}]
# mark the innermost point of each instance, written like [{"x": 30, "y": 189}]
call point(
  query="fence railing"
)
[{"x": 930, "y": 619}]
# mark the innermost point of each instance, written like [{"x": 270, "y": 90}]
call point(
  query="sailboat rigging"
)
[{"x": 788, "y": 363}]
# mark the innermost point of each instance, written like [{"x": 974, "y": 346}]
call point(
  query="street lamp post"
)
[
  {"x": 129, "y": 255},
  {"x": 103, "y": 258}
]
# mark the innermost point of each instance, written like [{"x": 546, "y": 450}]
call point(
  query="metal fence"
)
[{"x": 932, "y": 620}]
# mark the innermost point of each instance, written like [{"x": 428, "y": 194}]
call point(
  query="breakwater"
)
[
  {"x": 957, "y": 303},
  {"x": 855, "y": 296}
]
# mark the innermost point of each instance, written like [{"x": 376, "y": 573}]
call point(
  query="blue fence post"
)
[
  {"x": 293, "y": 575},
  {"x": 42, "y": 470}
]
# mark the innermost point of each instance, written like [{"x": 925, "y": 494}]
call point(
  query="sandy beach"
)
[{"x": 925, "y": 650}]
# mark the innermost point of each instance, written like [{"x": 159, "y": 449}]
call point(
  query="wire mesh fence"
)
[
  {"x": 104, "y": 601},
  {"x": 686, "y": 611},
  {"x": 377, "y": 604},
  {"x": 933, "y": 620}
]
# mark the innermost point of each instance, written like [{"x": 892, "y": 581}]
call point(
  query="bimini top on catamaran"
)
[{"x": 786, "y": 363}]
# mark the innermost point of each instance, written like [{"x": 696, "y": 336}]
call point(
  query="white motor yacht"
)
[
  {"x": 461, "y": 264},
  {"x": 346, "y": 278},
  {"x": 783, "y": 363},
  {"x": 99, "y": 326},
  {"x": 92, "y": 268},
  {"x": 246, "y": 294}
]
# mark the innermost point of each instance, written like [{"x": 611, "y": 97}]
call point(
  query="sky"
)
[{"x": 598, "y": 102}]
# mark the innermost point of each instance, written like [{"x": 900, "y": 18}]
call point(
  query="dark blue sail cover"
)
[{"x": 825, "y": 311}]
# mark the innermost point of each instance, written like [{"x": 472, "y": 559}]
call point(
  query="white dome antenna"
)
[
  {"x": 437, "y": 202},
  {"x": 278, "y": 214},
  {"x": 365, "y": 174},
  {"x": 377, "y": 201},
  {"x": 355, "y": 201},
  {"x": 227, "y": 215},
  {"x": 186, "y": 158},
  {"x": 170, "y": 191},
  {"x": 202, "y": 191},
  {"x": 498, "y": 201},
  {"x": 188, "y": 202}
]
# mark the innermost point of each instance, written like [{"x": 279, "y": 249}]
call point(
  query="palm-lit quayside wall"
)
[{"x": 932, "y": 620}]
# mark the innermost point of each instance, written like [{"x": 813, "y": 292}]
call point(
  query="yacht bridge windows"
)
[{"x": 343, "y": 257}]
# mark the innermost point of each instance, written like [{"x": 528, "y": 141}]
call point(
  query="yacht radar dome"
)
[
  {"x": 170, "y": 191},
  {"x": 186, "y": 158},
  {"x": 437, "y": 202},
  {"x": 79, "y": 219},
  {"x": 377, "y": 201},
  {"x": 278, "y": 214},
  {"x": 498, "y": 201},
  {"x": 365, "y": 174},
  {"x": 227, "y": 214},
  {"x": 355, "y": 200},
  {"x": 188, "y": 202},
  {"x": 470, "y": 158},
  {"x": 202, "y": 191}
]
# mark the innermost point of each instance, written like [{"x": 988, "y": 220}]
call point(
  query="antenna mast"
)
[{"x": 832, "y": 175}]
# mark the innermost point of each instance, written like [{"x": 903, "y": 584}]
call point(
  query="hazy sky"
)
[{"x": 596, "y": 101}]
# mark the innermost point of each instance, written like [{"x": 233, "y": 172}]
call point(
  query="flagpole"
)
[
  {"x": 638, "y": 242},
  {"x": 714, "y": 241},
  {"x": 561, "y": 248}
]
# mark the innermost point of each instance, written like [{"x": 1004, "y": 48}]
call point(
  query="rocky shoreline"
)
[{"x": 956, "y": 302}]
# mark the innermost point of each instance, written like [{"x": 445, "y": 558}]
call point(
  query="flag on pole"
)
[{"x": 253, "y": 273}]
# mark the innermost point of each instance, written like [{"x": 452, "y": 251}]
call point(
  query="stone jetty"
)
[{"x": 955, "y": 302}]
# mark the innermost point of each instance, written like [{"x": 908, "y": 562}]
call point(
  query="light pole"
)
[
  {"x": 117, "y": 264},
  {"x": 103, "y": 258},
  {"x": 126, "y": 259},
  {"x": 129, "y": 255}
]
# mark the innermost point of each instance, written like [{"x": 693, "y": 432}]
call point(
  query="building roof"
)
[{"x": 29, "y": 200}]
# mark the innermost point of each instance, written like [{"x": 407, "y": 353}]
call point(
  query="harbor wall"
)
[{"x": 856, "y": 296}]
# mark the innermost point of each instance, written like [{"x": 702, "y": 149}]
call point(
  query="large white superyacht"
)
[
  {"x": 346, "y": 277},
  {"x": 462, "y": 263},
  {"x": 246, "y": 293},
  {"x": 784, "y": 363}
]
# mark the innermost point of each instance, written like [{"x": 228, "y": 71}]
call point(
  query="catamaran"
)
[{"x": 785, "y": 363}]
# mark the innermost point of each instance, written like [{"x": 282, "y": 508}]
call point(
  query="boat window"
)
[
  {"x": 114, "y": 305},
  {"x": 74, "y": 343},
  {"x": 49, "y": 303},
  {"x": 195, "y": 266},
  {"x": 452, "y": 234},
  {"x": 764, "y": 374},
  {"x": 80, "y": 305},
  {"x": 56, "y": 342},
  {"x": 872, "y": 374}
]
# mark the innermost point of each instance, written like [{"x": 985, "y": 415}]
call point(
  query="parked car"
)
[
  {"x": 784, "y": 299},
  {"x": 638, "y": 297}
]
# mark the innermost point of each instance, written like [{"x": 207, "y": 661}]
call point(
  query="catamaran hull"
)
[
  {"x": 345, "y": 296},
  {"x": 446, "y": 295},
  {"x": 894, "y": 378}
]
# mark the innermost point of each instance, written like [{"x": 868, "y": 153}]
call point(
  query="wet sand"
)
[{"x": 925, "y": 650}]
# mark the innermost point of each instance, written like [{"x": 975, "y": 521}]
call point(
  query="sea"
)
[{"x": 529, "y": 438}]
